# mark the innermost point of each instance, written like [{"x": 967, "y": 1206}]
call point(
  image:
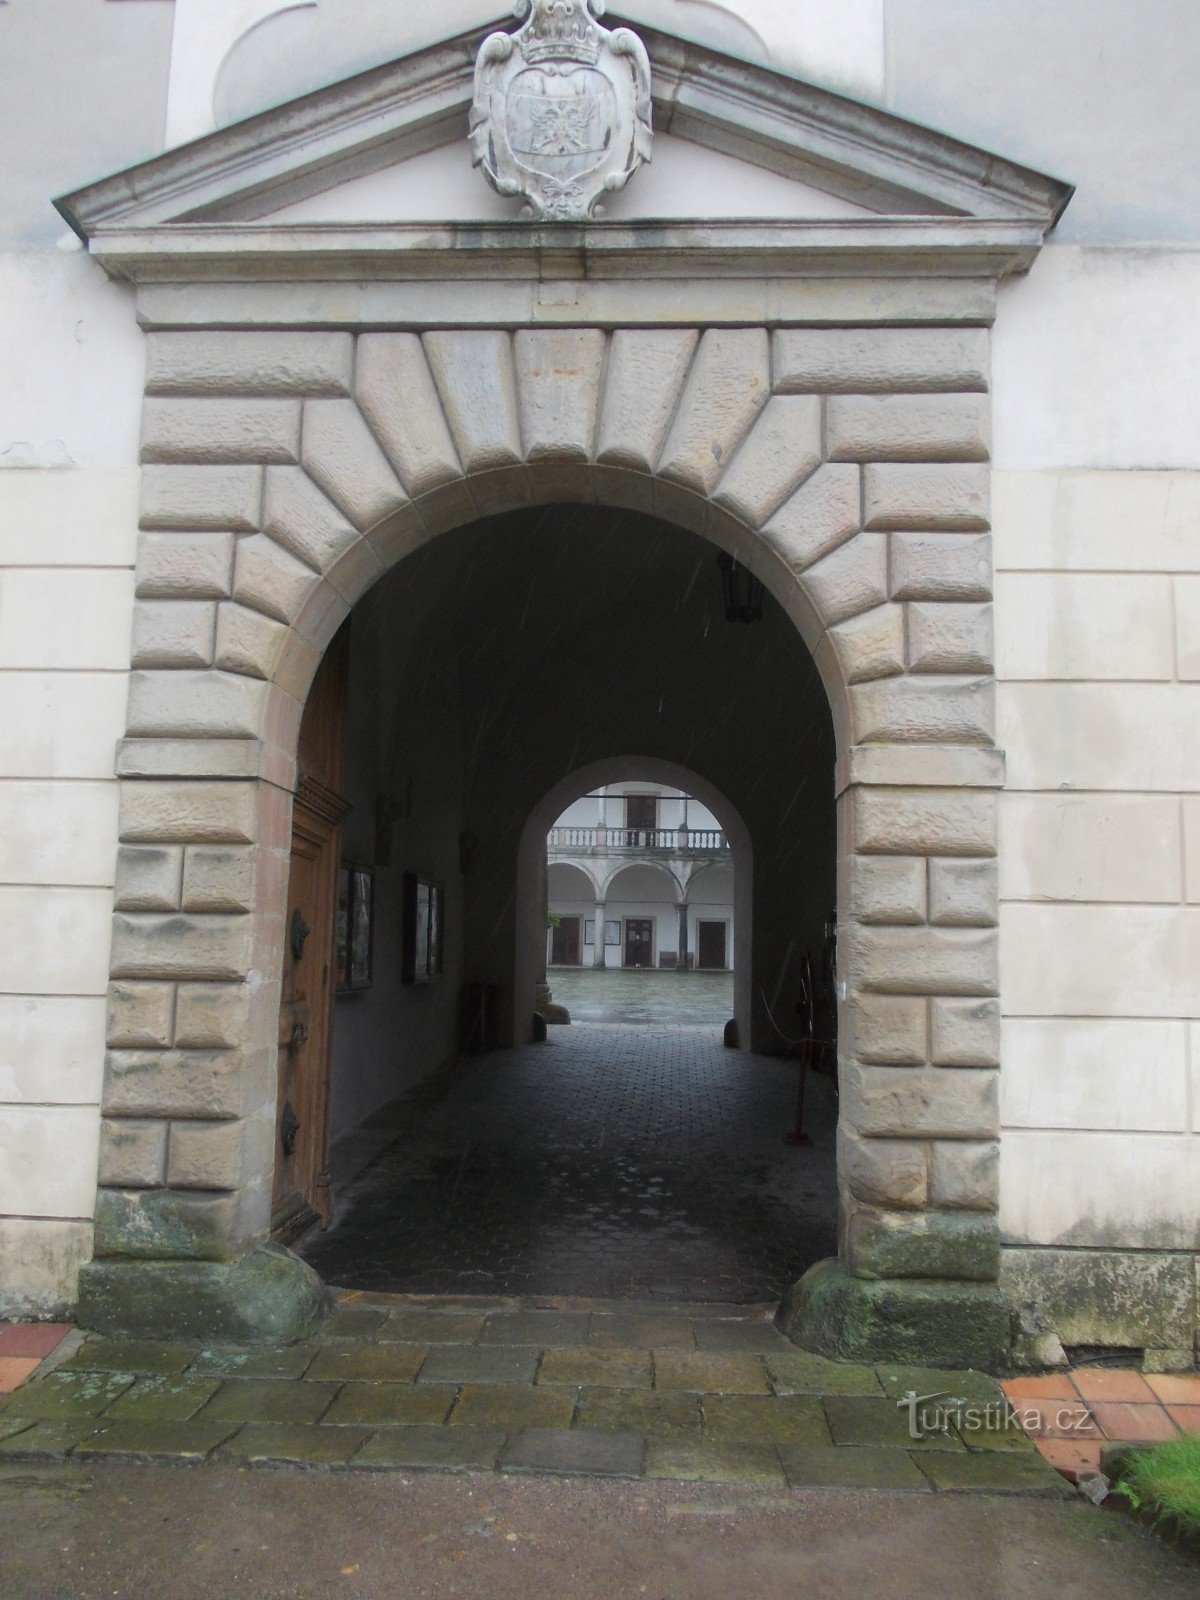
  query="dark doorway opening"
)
[
  {"x": 565, "y": 943},
  {"x": 639, "y": 942},
  {"x": 712, "y": 954}
]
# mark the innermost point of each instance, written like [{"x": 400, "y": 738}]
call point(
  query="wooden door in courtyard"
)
[
  {"x": 712, "y": 953},
  {"x": 301, "y": 1193},
  {"x": 565, "y": 944},
  {"x": 639, "y": 942}
]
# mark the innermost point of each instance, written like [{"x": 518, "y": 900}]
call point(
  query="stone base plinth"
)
[
  {"x": 267, "y": 1297},
  {"x": 914, "y": 1321}
]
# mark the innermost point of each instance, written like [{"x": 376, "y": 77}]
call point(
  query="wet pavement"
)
[
  {"x": 611, "y": 1161},
  {"x": 615, "y": 994}
]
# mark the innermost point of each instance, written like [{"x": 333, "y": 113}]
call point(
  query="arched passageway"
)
[{"x": 643, "y": 1160}]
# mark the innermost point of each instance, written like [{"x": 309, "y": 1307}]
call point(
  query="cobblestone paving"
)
[
  {"x": 631, "y": 1390},
  {"x": 611, "y": 1160},
  {"x": 615, "y": 994}
]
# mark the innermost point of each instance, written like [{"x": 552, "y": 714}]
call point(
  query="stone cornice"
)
[
  {"x": 594, "y": 252},
  {"x": 419, "y": 103}
]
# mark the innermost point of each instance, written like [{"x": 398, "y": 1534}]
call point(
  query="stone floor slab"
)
[
  {"x": 292, "y": 1361},
  {"x": 996, "y": 1472},
  {"x": 851, "y": 1467},
  {"x": 643, "y": 1330},
  {"x": 443, "y": 1449},
  {"x": 395, "y": 1404},
  {"x": 862, "y": 1420},
  {"x": 710, "y": 1374},
  {"x": 353, "y": 1322},
  {"x": 183, "y": 1442},
  {"x": 50, "y": 1437},
  {"x": 604, "y": 1368},
  {"x": 588, "y": 1453},
  {"x": 138, "y": 1356},
  {"x": 541, "y": 1328},
  {"x": 647, "y": 1412},
  {"x": 798, "y": 1372},
  {"x": 422, "y": 1326},
  {"x": 973, "y": 1386},
  {"x": 162, "y": 1399},
  {"x": 739, "y": 1336},
  {"x": 68, "y": 1394},
  {"x": 765, "y": 1419},
  {"x": 375, "y": 1363},
  {"x": 453, "y": 1363},
  {"x": 293, "y": 1444},
  {"x": 268, "y": 1400},
  {"x": 705, "y": 1461},
  {"x": 503, "y": 1406}
]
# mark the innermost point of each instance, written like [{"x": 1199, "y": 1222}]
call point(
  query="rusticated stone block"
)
[
  {"x": 148, "y": 877},
  {"x": 820, "y": 516},
  {"x": 139, "y": 1014},
  {"x": 782, "y": 451},
  {"x": 908, "y": 427},
  {"x": 212, "y": 1016},
  {"x": 951, "y": 638},
  {"x": 933, "y": 961},
  {"x": 921, "y": 1102},
  {"x": 900, "y": 495},
  {"x": 558, "y": 388},
  {"x": 886, "y": 1172},
  {"x": 249, "y": 642},
  {"x": 728, "y": 386},
  {"x": 184, "y": 566},
  {"x": 174, "y": 1083},
  {"x": 941, "y": 566},
  {"x": 965, "y": 1175},
  {"x": 886, "y": 1030},
  {"x": 218, "y": 878},
  {"x": 201, "y": 499},
  {"x": 343, "y": 458},
  {"x": 218, "y": 431},
  {"x": 217, "y": 1155},
  {"x": 269, "y": 579},
  {"x": 871, "y": 645},
  {"x": 912, "y": 710},
  {"x": 477, "y": 384},
  {"x": 964, "y": 894},
  {"x": 885, "y": 889},
  {"x": 399, "y": 398},
  {"x": 304, "y": 521},
  {"x": 1123, "y": 1298},
  {"x": 852, "y": 579},
  {"x": 158, "y": 812},
  {"x": 195, "y": 705},
  {"x": 164, "y": 1225},
  {"x": 133, "y": 1154},
  {"x": 928, "y": 1244},
  {"x": 193, "y": 946},
  {"x": 221, "y": 362},
  {"x": 646, "y": 372},
  {"x": 965, "y": 1033},
  {"x": 936, "y": 822},
  {"x": 173, "y": 633},
  {"x": 880, "y": 360}
]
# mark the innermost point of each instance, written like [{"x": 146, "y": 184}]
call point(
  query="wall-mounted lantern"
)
[{"x": 744, "y": 594}]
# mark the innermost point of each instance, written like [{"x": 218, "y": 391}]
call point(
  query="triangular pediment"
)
[{"x": 380, "y": 141}]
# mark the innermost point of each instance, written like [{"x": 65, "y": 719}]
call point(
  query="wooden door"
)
[
  {"x": 301, "y": 1192},
  {"x": 641, "y": 820},
  {"x": 711, "y": 938},
  {"x": 564, "y": 943},
  {"x": 639, "y": 942}
]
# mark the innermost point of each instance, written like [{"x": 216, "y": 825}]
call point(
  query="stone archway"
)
[{"x": 286, "y": 471}]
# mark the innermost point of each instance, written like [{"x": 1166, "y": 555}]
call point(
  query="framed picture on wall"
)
[
  {"x": 424, "y": 954},
  {"x": 355, "y": 929}
]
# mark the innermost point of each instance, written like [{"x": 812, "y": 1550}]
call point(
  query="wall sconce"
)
[{"x": 744, "y": 594}]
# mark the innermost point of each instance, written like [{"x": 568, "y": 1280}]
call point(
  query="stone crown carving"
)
[{"x": 562, "y": 112}]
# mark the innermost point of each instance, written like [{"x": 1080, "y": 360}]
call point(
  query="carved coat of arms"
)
[{"x": 562, "y": 110}]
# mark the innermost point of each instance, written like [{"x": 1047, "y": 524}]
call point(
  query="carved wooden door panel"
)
[{"x": 301, "y": 1193}]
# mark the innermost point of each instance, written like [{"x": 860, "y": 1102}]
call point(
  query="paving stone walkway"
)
[
  {"x": 686, "y": 1392},
  {"x": 610, "y": 1161}
]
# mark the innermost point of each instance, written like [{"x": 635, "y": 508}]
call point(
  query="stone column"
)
[
  {"x": 682, "y": 958},
  {"x": 599, "y": 959}
]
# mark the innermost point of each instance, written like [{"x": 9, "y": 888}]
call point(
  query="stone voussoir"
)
[
  {"x": 559, "y": 372},
  {"x": 727, "y": 388},
  {"x": 397, "y": 395},
  {"x": 909, "y": 495},
  {"x": 941, "y": 566},
  {"x": 781, "y": 452},
  {"x": 647, "y": 368},
  {"x": 184, "y": 566},
  {"x": 344, "y": 459}
]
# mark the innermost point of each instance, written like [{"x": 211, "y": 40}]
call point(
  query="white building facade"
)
[{"x": 946, "y": 411}]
